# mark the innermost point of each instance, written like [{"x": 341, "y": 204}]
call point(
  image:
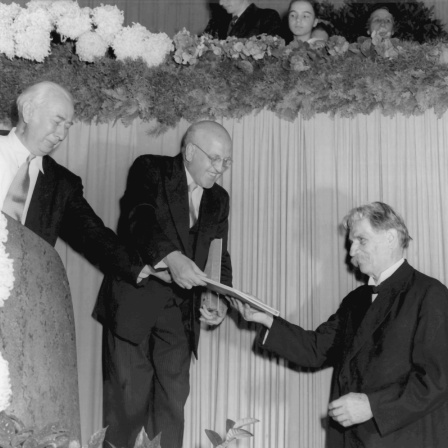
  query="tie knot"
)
[{"x": 374, "y": 289}]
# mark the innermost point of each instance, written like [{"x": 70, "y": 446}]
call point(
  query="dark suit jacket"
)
[
  {"x": 155, "y": 219},
  {"x": 394, "y": 350},
  {"x": 252, "y": 22},
  {"x": 59, "y": 209}
]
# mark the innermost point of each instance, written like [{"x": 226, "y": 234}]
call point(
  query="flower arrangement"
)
[
  {"x": 26, "y": 32},
  {"x": 6, "y": 284},
  {"x": 137, "y": 74}
]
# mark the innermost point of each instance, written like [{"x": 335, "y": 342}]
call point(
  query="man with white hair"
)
[
  {"x": 387, "y": 342},
  {"x": 48, "y": 198}
]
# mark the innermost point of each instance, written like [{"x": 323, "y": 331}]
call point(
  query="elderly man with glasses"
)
[{"x": 171, "y": 211}]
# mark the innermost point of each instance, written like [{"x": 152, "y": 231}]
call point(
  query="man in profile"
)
[
  {"x": 242, "y": 19},
  {"x": 171, "y": 211},
  {"x": 45, "y": 196},
  {"x": 387, "y": 342}
]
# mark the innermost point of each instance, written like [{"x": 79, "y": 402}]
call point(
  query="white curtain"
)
[{"x": 290, "y": 186}]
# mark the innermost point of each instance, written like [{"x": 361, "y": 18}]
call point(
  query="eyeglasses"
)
[{"x": 216, "y": 160}]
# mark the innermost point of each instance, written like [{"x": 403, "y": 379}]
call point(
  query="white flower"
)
[
  {"x": 32, "y": 34},
  {"x": 8, "y": 13},
  {"x": 90, "y": 46},
  {"x": 73, "y": 22},
  {"x": 130, "y": 42},
  {"x": 157, "y": 47},
  {"x": 109, "y": 21},
  {"x": 6, "y": 264},
  {"x": 7, "y": 40},
  {"x": 35, "y": 5},
  {"x": 137, "y": 42},
  {"x": 5, "y": 385}
]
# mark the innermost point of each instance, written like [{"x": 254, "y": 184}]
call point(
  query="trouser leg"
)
[
  {"x": 127, "y": 379},
  {"x": 170, "y": 356}
]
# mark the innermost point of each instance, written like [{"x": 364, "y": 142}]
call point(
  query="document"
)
[{"x": 246, "y": 298}]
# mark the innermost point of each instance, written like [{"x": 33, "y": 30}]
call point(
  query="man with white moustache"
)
[{"x": 387, "y": 343}]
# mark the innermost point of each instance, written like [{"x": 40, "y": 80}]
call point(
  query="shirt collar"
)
[
  {"x": 387, "y": 273},
  {"x": 21, "y": 151},
  {"x": 190, "y": 179}
]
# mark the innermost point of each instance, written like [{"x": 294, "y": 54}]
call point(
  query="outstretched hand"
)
[
  {"x": 184, "y": 271},
  {"x": 251, "y": 314}
]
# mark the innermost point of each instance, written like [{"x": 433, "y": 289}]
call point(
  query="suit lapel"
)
[
  {"x": 41, "y": 199},
  {"x": 177, "y": 192},
  {"x": 208, "y": 210},
  {"x": 380, "y": 308}
]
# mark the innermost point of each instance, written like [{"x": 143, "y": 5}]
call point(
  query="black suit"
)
[
  {"x": 59, "y": 209},
  {"x": 155, "y": 219},
  {"x": 252, "y": 22},
  {"x": 394, "y": 350}
]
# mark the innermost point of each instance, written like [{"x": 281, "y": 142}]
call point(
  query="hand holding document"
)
[
  {"x": 250, "y": 314},
  {"x": 241, "y": 296}
]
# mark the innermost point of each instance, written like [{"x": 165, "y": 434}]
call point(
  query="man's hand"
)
[
  {"x": 250, "y": 314},
  {"x": 148, "y": 270},
  {"x": 144, "y": 273},
  {"x": 184, "y": 271},
  {"x": 214, "y": 317},
  {"x": 350, "y": 409}
]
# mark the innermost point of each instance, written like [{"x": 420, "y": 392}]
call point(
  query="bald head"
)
[
  {"x": 206, "y": 129},
  {"x": 207, "y": 150}
]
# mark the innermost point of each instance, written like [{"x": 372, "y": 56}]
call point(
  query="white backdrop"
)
[{"x": 290, "y": 186}]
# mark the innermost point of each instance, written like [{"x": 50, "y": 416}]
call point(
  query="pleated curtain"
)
[{"x": 290, "y": 186}]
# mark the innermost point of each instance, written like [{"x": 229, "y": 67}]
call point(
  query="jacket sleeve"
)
[
  {"x": 425, "y": 387},
  {"x": 306, "y": 348},
  {"x": 86, "y": 233},
  {"x": 271, "y": 23},
  {"x": 140, "y": 212}
]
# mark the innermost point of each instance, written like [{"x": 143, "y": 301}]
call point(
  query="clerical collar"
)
[
  {"x": 387, "y": 273},
  {"x": 21, "y": 151}
]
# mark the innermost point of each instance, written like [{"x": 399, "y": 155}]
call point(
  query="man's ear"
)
[
  {"x": 392, "y": 236},
  {"x": 27, "y": 111},
  {"x": 189, "y": 151}
]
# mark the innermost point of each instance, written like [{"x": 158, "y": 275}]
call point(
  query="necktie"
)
[
  {"x": 193, "y": 214},
  {"x": 18, "y": 191},
  {"x": 231, "y": 24}
]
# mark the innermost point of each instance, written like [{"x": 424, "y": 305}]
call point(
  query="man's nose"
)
[
  {"x": 353, "y": 249},
  {"x": 61, "y": 132}
]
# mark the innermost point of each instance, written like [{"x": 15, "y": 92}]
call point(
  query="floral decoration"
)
[
  {"x": 161, "y": 80},
  {"x": 6, "y": 284},
  {"x": 27, "y": 32}
]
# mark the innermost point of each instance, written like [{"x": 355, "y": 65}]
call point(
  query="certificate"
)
[{"x": 245, "y": 298}]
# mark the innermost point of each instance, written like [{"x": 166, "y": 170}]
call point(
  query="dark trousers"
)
[{"x": 147, "y": 385}]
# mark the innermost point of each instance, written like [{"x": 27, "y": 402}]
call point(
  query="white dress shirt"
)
[
  {"x": 196, "y": 198},
  {"x": 13, "y": 154},
  {"x": 385, "y": 275}
]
